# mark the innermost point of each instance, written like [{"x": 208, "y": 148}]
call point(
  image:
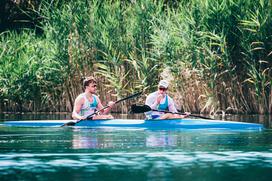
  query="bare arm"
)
[
  {"x": 77, "y": 107},
  {"x": 172, "y": 108},
  {"x": 100, "y": 106},
  {"x": 171, "y": 105}
]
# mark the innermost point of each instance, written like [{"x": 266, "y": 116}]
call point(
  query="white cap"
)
[{"x": 163, "y": 83}]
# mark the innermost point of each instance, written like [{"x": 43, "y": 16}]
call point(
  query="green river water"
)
[{"x": 127, "y": 154}]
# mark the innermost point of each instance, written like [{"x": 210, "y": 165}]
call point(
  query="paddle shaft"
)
[
  {"x": 96, "y": 112},
  {"x": 146, "y": 108},
  {"x": 105, "y": 107},
  {"x": 120, "y": 100},
  {"x": 193, "y": 115}
]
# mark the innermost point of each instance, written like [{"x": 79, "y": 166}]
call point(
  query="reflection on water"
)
[
  {"x": 161, "y": 140},
  {"x": 191, "y": 140},
  {"x": 80, "y": 142},
  {"x": 84, "y": 139},
  {"x": 134, "y": 154},
  {"x": 111, "y": 154},
  {"x": 90, "y": 138}
]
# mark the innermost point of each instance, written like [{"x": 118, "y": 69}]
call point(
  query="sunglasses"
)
[
  {"x": 162, "y": 88},
  {"x": 94, "y": 86}
]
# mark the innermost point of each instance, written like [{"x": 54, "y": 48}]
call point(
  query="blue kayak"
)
[{"x": 140, "y": 123}]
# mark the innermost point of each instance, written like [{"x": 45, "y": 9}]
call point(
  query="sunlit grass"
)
[{"x": 217, "y": 53}]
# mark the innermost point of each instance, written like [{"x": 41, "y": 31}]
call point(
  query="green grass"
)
[{"x": 217, "y": 54}]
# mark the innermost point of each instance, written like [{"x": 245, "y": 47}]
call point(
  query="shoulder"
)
[
  {"x": 170, "y": 99},
  {"x": 80, "y": 98},
  {"x": 96, "y": 97}
]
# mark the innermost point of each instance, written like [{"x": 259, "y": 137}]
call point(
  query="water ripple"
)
[{"x": 135, "y": 160}]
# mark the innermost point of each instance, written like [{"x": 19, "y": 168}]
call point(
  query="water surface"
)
[{"x": 134, "y": 154}]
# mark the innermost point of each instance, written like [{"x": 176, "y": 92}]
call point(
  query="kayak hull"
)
[{"x": 139, "y": 123}]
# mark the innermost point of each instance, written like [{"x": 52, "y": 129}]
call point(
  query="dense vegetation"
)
[{"x": 217, "y": 54}]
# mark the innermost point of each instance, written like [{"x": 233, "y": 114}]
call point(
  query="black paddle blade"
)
[
  {"x": 71, "y": 123},
  {"x": 140, "y": 108},
  {"x": 129, "y": 97}
]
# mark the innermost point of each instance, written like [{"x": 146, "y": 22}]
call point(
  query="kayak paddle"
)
[
  {"x": 145, "y": 108},
  {"x": 71, "y": 123}
]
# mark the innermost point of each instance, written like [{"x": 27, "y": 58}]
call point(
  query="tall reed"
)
[{"x": 217, "y": 54}]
